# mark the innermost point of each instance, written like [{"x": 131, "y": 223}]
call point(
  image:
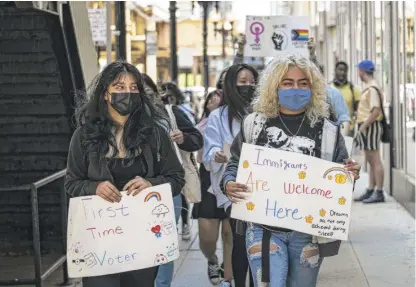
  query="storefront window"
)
[{"x": 410, "y": 91}]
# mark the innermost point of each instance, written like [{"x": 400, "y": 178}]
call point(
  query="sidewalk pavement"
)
[{"x": 380, "y": 252}]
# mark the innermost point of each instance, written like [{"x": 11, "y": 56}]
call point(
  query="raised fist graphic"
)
[{"x": 278, "y": 41}]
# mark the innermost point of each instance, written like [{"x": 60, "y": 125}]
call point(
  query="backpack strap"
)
[
  {"x": 354, "y": 103},
  {"x": 174, "y": 127},
  {"x": 172, "y": 118},
  {"x": 379, "y": 93}
]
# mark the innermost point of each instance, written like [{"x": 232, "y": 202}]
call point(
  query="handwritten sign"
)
[
  {"x": 272, "y": 36},
  {"x": 136, "y": 233},
  {"x": 294, "y": 191},
  {"x": 98, "y": 22}
]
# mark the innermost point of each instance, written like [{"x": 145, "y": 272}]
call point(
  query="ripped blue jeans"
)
[{"x": 294, "y": 259}]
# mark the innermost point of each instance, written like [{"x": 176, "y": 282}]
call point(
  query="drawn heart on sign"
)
[{"x": 156, "y": 229}]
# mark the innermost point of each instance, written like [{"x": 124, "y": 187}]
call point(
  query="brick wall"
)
[{"x": 35, "y": 127}]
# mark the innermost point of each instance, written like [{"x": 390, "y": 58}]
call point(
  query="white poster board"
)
[
  {"x": 273, "y": 36},
  {"x": 294, "y": 191},
  {"x": 136, "y": 233}
]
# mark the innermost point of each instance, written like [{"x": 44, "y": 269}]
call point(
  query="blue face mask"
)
[{"x": 294, "y": 99}]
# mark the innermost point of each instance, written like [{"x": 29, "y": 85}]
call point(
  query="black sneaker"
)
[
  {"x": 222, "y": 270},
  {"x": 376, "y": 197},
  {"x": 214, "y": 273},
  {"x": 365, "y": 195}
]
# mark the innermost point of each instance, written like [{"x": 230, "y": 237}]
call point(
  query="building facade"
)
[{"x": 384, "y": 32}]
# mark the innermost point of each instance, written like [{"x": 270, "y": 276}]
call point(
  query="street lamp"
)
[
  {"x": 120, "y": 11},
  {"x": 226, "y": 30},
  {"x": 205, "y": 6},
  {"x": 173, "y": 45}
]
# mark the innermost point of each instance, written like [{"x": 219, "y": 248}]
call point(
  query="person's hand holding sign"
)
[
  {"x": 107, "y": 191},
  {"x": 136, "y": 185},
  {"x": 353, "y": 167},
  {"x": 236, "y": 192}
]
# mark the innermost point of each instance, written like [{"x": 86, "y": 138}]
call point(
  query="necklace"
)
[{"x": 292, "y": 135}]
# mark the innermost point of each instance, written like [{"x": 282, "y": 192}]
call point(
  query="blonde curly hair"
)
[{"x": 266, "y": 101}]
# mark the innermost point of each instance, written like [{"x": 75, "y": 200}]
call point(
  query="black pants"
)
[
  {"x": 239, "y": 258},
  {"x": 142, "y": 278},
  {"x": 184, "y": 210}
]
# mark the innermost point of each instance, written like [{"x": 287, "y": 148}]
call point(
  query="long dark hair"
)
[
  {"x": 149, "y": 82},
  {"x": 176, "y": 92},
  {"x": 237, "y": 105},
  {"x": 95, "y": 122},
  {"x": 220, "y": 82},
  {"x": 206, "y": 111}
]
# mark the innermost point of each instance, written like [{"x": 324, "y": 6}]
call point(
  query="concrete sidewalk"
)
[{"x": 380, "y": 252}]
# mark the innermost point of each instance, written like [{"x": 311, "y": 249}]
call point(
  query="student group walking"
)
[{"x": 126, "y": 136}]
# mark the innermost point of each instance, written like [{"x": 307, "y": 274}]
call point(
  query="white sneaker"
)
[{"x": 186, "y": 233}]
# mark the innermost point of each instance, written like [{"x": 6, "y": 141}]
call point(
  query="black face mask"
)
[
  {"x": 247, "y": 92},
  {"x": 125, "y": 103}
]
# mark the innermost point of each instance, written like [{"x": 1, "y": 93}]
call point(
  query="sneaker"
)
[
  {"x": 186, "y": 233},
  {"x": 365, "y": 195},
  {"x": 214, "y": 273},
  {"x": 376, "y": 197},
  {"x": 222, "y": 270},
  {"x": 225, "y": 284}
]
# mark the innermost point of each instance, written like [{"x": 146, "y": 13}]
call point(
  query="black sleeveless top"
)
[{"x": 123, "y": 174}]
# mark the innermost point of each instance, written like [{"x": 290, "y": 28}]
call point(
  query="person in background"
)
[
  {"x": 210, "y": 217},
  {"x": 220, "y": 82},
  {"x": 292, "y": 104},
  {"x": 120, "y": 145},
  {"x": 338, "y": 107},
  {"x": 188, "y": 139},
  {"x": 370, "y": 129},
  {"x": 223, "y": 125},
  {"x": 174, "y": 96},
  {"x": 350, "y": 93},
  {"x": 238, "y": 59},
  {"x": 171, "y": 95}
]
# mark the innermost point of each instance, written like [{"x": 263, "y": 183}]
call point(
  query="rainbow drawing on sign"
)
[
  {"x": 151, "y": 195},
  {"x": 300, "y": 35},
  {"x": 339, "y": 169}
]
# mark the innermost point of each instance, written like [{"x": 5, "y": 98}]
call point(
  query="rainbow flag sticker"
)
[{"x": 300, "y": 35}]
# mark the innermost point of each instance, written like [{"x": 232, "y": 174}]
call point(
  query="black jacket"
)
[
  {"x": 192, "y": 138},
  {"x": 86, "y": 171}
]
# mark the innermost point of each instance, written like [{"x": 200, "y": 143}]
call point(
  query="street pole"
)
[
  {"x": 108, "y": 22},
  {"x": 173, "y": 45},
  {"x": 121, "y": 52},
  {"x": 205, "y": 5},
  {"x": 224, "y": 36}
]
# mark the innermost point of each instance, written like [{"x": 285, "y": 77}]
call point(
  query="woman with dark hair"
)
[
  {"x": 171, "y": 95},
  {"x": 189, "y": 139},
  {"x": 210, "y": 217},
  {"x": 150, "y": 87},
  {"x": 223, "y": 126},
  {"x": 120, "y": 145},
  {"x": 220, "y": 82}
]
